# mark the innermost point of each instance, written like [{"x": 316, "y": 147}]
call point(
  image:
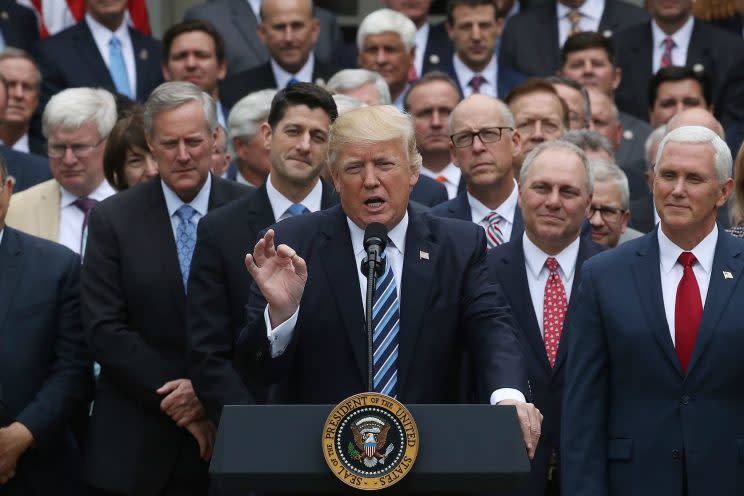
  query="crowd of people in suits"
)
[{"x": 182, "y": 222}]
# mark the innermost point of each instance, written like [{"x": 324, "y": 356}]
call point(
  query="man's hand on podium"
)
[{"x": 530, "y": 420}]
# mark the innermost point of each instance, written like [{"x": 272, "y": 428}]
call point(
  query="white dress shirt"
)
[
  {"x": 451, "y": 175},
  {"x": 465, "y": 74},
  {"x": 102, "y": 36},
  {"x": 591, "y": 13},
  {"x": 537, "y": 272},
  {"x": 479, "y": 211},
  {"x": 256, "y": 8},
  {"x": 280, "y": 336},
  {"x": 681, "y": 40},
  {"x": 71, "y": 218},
  {"x": 22, "y": 144},
  {"x": 241, "y": 180},
  {"x": 1, "y": 235},
  {"x": 304, "y": 75},
  {"x": 200, "y": 203},
  {"x": 671, "y": 271},
  {"x": 422, "y": 38},
  {"x": 280, "y": 203}
]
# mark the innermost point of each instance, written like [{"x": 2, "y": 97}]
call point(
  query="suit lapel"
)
[
  {"x": 517, "y": 224},
  {"x": 415, "y": 288},
  {"x": 87, "y": 50},
  {"x": 549, "y": 29},
  {"x": 260, "y": 214},
  {"x": 698, "y": 49},
  {"x": 47, "y": 212},
  {"x": 141, "y": 60},
  {"x": 727, "y": 259},
  {"x": 647, "y": 276},
  {"x": 460, "y": 208},
  {"x": 341, "y": 269},
  {"x": 11, "y": 258},
  {"x": 329, "y": 196},
  {"x": 160, "y": 231},
  {"x": 245, "y": 23}
]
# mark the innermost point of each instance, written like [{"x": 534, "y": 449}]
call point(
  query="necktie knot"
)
[
  {"x": 476, "y": 83},
  {"x": 669, "y": 43},
  {"x": 297, "y": 209},
  {"x": 687, "y": 259},
  {"x": 494, "y": 235},
  {"x": 552, "y": 264},
  {"x": 441, "y": 179},
  {"x": 115, "y": 42},
  {"x": 85, "y": 204},
  {"x": 292, "y": 80},
  {"x": 574, "y": 16},
  {"x": 185, "y": 213}
]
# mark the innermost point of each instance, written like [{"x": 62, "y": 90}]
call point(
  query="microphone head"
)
[{"x": 375, "y": 234}]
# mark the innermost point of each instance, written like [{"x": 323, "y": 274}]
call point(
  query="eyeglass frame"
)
[
  {"x": 604, "y": 210},
  {"x": 83, "y": 149},
  {"x": 477, "y": 133}
]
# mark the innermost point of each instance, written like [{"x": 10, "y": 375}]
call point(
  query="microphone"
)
[
  {"x": 373, "y": 266},
  {"x": 375, "y": 240}
]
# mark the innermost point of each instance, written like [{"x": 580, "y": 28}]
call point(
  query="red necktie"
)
[
  {"x": 666, "y": 55},
  {"x": 554, "y": 310},
  {"x": 476, "y": 83},
  {"x": 688, "y": 310}
]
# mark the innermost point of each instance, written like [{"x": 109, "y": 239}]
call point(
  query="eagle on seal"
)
[{"x": 370, "y": 446}]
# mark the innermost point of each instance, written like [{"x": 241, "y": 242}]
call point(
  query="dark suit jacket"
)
[
  {"x": 236, "y": 22},
  {"x": 18, "y": 25},
  {"x": 71, "y": 58},
  {"x": 529, "y": 44},
  {"x": 134, "y": 313},
  {"x": 428, "y": 191},
  {"x": 506, "y": 78},
  {"x": 218, "y": 287},
  {"x": 506, "y": 266},
  {"x": 439, "y": 49},
  {"x": 642, "y": 213},
  {"x": 718, "y": 51},
  {"x": 235, "y": 87},
  {"x": 447, "y": 306},
  {"x": 459, "y": 208},
  {"x": 27, "y": 169},
  {"x": 45, "y": 368},
  {"x": 630, "y": 405}
]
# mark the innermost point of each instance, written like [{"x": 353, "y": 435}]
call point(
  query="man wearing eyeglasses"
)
[
  {"x": 610, "y": 209},
  {"x": 483, "y": 144},
  {"x": 76, "y": 123},
  {"x": 539, "y": 274}
]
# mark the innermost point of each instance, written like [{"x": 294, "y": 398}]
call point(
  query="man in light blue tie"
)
[{"x": 306, "y": 308}]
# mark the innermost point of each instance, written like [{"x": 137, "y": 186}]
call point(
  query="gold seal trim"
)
[{"x": 352, "y": 433}]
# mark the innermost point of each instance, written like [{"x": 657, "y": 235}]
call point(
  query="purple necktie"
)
[
  {"x": 476, "y": 83},
  {"x": 85, "y": 204}
]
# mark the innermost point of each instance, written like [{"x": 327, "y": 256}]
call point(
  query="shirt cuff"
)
[
  {"x": 505, "y": 394},
  {"x": 281, "y": 335}
]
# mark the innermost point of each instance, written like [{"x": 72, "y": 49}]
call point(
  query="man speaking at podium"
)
[{"x": 438, "y": 311}]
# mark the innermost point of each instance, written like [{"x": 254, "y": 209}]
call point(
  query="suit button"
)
[
  {"x": 685, "y": 399},
  {"x": 675, "y": 454}
]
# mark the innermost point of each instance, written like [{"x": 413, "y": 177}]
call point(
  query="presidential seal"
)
[{"x": 370, "y": 441}]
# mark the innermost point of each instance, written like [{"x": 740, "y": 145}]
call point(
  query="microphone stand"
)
[{"x": 373, "y": 266}]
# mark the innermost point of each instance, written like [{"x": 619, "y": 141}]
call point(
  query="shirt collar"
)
[
  {"x": 280, "y": 203},
  {"x": 102, "y": 34},
  {"x": 256, "y": 8},
  {"x": 681, "y": 37},
  {"x": 536, "y": 258},
  {"x": 305, "y": 74},
  {"x": 200, "y": 203},
  {"x": 1, "y": 235},
  {"x": 451, "y": 173},
  {"x": 704, "y": 251},
  {"x": 465, "y": 74},
  {"x": 591, "y": 9},
  {"x": 103, "y": 191},
  {"x": 397, "y": 235},
  {"x": 505, "y": 210}
]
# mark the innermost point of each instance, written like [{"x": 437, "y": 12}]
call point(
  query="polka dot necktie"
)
[
  {"x": 554, "y": 310},
  {"x": 666, "y": 55},
  {"x": 185, "y": 240},
  {"x": 574, "y": 17}
]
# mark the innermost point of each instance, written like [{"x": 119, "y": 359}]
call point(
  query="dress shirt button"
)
[
  {"x": 675, "y": 454},
  {"x": 685, "y": 399}
]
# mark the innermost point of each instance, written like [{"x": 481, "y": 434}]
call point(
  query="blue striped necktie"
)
[{"x": 386, "y": 322}]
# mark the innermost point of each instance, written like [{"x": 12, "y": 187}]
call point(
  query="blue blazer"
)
[
  {"x": 632, "y": 420},
  {"x": 428, "y": 191},
  {"x": 459, "y": 208},
  {"x": 506, "y": 266},
  {"x": 449, "y": 310},
  {"x": 27, "y": 169},
  {"x": 46, "y": 373}
]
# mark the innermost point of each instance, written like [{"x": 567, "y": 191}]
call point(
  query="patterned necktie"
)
[
  {"x": 666, "y": 56},
  {"x": 476, "y": 83},
  {"x": 118, "y": 69},
  {"x": 574, "y": 16},
  {"x": 412, "y": 74},
  {"x": 494, "y": 236},
  {"x": 185, "y": 240},
  {"x": 85, "y": 204},
  {"x": 688, "y": 310},
  {"x": 554, "y": 310},
  {"x": 297, "y": 209},
  {"x": 386, "y": 323}
]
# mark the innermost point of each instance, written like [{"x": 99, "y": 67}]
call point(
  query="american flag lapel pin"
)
[
  {"x": 144, "y": 55},
  {"x": 423, "y": 255},
  {"x": 727, "y": 275}
]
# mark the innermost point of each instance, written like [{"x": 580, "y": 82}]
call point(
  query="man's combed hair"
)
[
  {"x": 174, "y": 94},
  {"x": 308, "y": 94},
  {"x": 73, "y": 107}
]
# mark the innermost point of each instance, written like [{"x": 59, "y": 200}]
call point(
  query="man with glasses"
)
[
  {"x": 609, "y": 212},
  {"x": 539, "y": 274},
  {"x": 540, "y": 115},
  {"x": 76, "y": 123},
  {"x": 483, "y": 145}
]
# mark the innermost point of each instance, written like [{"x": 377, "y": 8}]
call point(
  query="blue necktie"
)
[
  {"x": 297, "y": 209},
  {"x": 118, "y": 68},
  {"x": 185, "y": 240},
  {"x": 292, "y": 81},
  {"x": 386, "y": 322}
]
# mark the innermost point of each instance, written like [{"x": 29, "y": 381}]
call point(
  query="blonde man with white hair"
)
[
  {"x": 307, "y": 270},
  {"x": 251, "y": 164},
  {"x": 364, "y": 85},
  {"x": 76, "y": 123},
  {"x": 387, "y": 45}
]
